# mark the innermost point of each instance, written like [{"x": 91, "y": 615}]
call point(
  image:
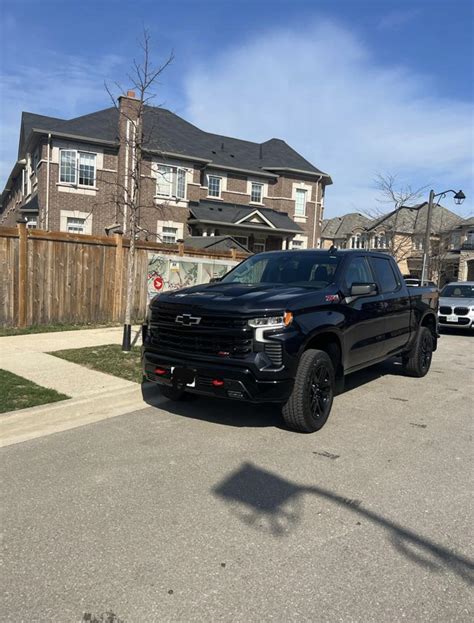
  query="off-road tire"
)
[
  {"x": 418, "y": 361},
  {"x": 172, "y": 393},
  {"x": 309, "y": 405}
]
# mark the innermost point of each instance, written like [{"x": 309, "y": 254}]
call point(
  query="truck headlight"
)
[{"x": 272, "y": 322}]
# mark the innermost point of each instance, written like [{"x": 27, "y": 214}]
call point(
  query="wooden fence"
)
[{"x": 56, "y": 277}]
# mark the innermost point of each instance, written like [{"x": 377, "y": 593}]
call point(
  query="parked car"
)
[
  {"x": 416, "y": 281},
  {"x": 285, "y": 327},
  {"x": 456, "y": 305}
]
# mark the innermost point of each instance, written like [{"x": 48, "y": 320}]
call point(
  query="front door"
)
[{"x": 365, "y": 325}]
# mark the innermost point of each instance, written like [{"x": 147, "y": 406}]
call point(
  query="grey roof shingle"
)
[
  {"x": 168, "y": 132},
  {"x": 219, "y": 212},
  {"x": 412, "y": 219},
  {"x": 216, "y": 243},
  {"x": 341, "y": 226}
]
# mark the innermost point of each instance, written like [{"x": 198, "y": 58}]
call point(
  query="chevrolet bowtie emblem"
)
[{"x": 187, "y": 319}]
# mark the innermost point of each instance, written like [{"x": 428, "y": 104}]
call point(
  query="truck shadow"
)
[
  {"x": 242, "y": 414},
  {"x": 271, "y": 504}
]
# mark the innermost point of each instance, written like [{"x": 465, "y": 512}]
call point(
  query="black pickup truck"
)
[{"x": 286, "y": 327}]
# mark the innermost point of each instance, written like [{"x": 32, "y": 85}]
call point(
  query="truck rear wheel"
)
[
  {"x": 418, "y": 361},
  {"x": 310, "y": 402}
]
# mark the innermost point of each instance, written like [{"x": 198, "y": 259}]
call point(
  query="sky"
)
[{"x": 358, "y": 87}]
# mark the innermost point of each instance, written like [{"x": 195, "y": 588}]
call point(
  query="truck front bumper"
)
[{"x": 219, "y": 381}]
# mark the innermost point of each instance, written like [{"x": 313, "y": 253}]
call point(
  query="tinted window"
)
[
  {"x": 358, "y": 271},
  {"x": 385, "y": 275},
  {"x": 312, "y": 270}
]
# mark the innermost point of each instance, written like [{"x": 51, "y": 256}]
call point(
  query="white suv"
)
[{"x": 456, "y": 305}]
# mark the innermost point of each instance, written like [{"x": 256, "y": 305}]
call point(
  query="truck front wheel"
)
[{"x": 310, "y": 402}]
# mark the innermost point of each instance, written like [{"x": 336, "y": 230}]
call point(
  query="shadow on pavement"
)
[{"x": 272, "y": 504}]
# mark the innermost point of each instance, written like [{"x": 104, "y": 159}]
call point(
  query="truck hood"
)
[
  {"x": 242, "y": 298},
  {"x": 452, "y": 301}
]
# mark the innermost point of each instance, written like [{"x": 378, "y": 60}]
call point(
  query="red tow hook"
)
[
  {"x": 160, "y": 371},
  {"x": 217, "y": 382}
]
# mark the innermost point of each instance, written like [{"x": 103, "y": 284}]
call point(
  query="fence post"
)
[
  {"x": 233, "y": 253},
  {"x": 181, "y": 248},
  {"x": 118, "y": 277},
  {"x": 22, "y": 273}
]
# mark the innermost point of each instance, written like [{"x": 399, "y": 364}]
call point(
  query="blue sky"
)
[{"x": 357, "y": 86}]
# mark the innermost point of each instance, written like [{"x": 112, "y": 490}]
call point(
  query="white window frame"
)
[
  {"x": 261, "y": 243},
  {"x": 217, "y": 177},
  {"x": 177, "y": 172},
  {"x": 32, "y": 222},
  {"x": 85, "y": 216},
  {"x": 160, "y": 234},
  {"x": 300, "y": 240},
  {"x": 81, "y": 226},
  {"x": 262, "y": 189},
  {"x": 78, "y": 153},
  {"x": 297, "y": 192}
]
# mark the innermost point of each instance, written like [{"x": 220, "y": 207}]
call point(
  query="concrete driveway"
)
[{"x": 212, "y": 511}]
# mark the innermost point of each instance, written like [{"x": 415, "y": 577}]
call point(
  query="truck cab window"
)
[
  {"x": 385, "y": 275},
  {"x": 358, "y": 271}
]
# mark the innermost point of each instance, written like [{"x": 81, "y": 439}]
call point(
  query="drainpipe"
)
[
  {"x": 48, "y": 161},
  {"x": 316, "y": 212}
]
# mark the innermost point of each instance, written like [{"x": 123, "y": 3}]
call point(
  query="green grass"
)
[
  {"x": 109, "y": 359},
  {"x": 51, "y": 328},
  {"x": 20, "y": 393}
]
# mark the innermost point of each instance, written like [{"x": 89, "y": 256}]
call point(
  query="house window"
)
[
  {"x": 300, "y": 202},
  {"x": 72, "y": 163},
  {"x": 259, "y": 246},
  {"x": 299, "y": 242},
  {"x": 76, "y": 225},
  {"x": 32, "y": 222},
  {"x": 170, "y": 181},
  {"x": 256, "y": 193},
  {"x": 214, "y": 186},
  {"x": 169, "y": 235},
  {"x": 418, "y": 243}
]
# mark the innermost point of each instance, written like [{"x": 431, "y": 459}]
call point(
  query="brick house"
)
[{"x": 70, "y": 174}]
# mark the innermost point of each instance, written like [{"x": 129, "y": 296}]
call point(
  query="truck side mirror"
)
[{"x": 363, "y": 289}]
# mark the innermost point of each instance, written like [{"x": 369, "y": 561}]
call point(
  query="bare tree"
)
[{"x": 135, "y": 138}]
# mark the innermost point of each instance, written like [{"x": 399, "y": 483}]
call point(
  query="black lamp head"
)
[{"x": 459, "y": 197}]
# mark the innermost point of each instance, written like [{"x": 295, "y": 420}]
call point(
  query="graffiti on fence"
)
[{"x": 167, "y": 272}]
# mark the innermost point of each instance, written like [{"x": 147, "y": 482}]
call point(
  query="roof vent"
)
[
  {"x": 232, "y": 155},
  {"x": 222, "y": 146},
  {"x": 213, "y": 152},
  {"x": 261, "y": 151}
]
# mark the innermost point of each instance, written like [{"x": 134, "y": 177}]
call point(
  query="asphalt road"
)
[{"x": 212, "y": 511}]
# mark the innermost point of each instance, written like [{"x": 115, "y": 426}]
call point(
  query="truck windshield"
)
[
  {"x": 305, "y": 269},
  {"x": 458, "y": 291}
]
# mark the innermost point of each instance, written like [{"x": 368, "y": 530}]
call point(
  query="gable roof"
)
[
  {"x": 412, "y": 219},
  {"x": 233, "y": 214},
  {"x": 216, "y": 243},
  {"x": 341, "y": 226},
  {"x": 169, "y": 133}
]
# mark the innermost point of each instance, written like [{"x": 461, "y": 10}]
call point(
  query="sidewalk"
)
[{"x": 94, "y": 395}]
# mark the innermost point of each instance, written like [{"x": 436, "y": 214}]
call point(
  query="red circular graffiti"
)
[{"x": 158, "y": 283}]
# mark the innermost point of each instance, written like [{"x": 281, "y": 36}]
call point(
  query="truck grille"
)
[
  {"x": 214, "y": 335},
  {"x": 445, "y": 310},
  {"x": 461, "y": 311}
]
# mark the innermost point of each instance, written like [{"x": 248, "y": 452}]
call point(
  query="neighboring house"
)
[
  {"x": 71, "y": 174},
  {"x": 456, "y": 257},
  {"x": 400, "y": 232}
]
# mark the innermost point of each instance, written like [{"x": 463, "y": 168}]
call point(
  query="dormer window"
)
[{"x": 77, "y": 167}]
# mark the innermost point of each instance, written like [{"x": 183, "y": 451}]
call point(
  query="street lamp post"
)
[{"x": 459, "y": 197}]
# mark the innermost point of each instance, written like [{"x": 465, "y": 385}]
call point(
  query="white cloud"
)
[
  {"x": 322, "y": 90},
  {"x": 57, "y": 85}
]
